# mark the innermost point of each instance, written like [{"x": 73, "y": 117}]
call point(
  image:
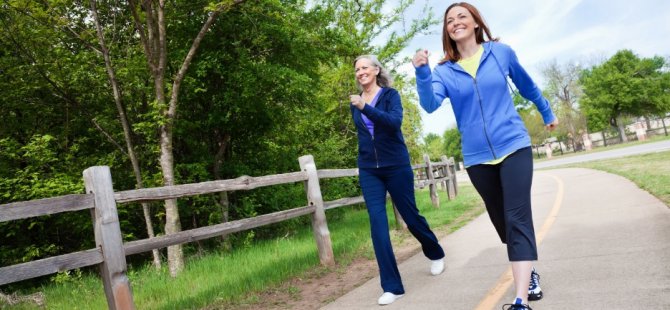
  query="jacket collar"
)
[
  {"x": 381, "y": 91},
  {"x": 487, "y": 50}
]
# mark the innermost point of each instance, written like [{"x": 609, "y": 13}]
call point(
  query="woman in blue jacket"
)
[
  {"x": 495, "y": 142},
  {"x": 384, "y": 166}
]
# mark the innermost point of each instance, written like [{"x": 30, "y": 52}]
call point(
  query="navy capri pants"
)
[{"x": 505, "y": 189}]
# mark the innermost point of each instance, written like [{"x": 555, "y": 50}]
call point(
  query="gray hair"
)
[{"x": 384, "y": 79}]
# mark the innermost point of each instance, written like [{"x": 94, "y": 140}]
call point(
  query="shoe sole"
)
[{"x": 534, "y": 297}]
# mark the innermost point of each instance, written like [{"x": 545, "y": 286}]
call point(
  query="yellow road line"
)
[{"x": 505, "y": 281}]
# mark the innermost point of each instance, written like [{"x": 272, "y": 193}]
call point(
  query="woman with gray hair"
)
[{"x": 384, "y": 166}]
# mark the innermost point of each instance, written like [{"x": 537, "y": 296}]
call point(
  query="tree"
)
[
  {"x": 434, "y": 146},
  {"x": 269, "y": 79},
  {"x": 128, "y": 133},
  {"x": 564, "y": 91},
  {"x": 411, "y": 122},
  {"x": 624, "y": 85},
  {"x": 151, "y": 25},
  {"x": 46, "y": 127},
  {"x": 452, "y": 144}
]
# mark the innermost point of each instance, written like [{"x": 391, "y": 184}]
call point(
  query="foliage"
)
[
  {"x": 269, "y": 83},
  {"x": 452, "y": 144},
  {"x": 564, "y": 92},
  {"x": 434, "y": 146},
  {"x": 531, "y": 118},
  {"x": 624, "y": 85}
]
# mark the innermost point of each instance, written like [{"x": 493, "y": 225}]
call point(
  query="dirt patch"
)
[{"x": 323, "y": 285}]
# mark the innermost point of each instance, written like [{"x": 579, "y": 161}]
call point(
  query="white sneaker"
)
[
  {"x": 437, "y": 266},
  {"x": 388, "y": 298}
]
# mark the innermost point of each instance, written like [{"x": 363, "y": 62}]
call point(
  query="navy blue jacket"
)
[{"x": 387, "y": 146}]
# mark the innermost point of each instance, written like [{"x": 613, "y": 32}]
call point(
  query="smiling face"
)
[
  {"x": 366, "y": 72},
  {"x": 461, "y": 25}
]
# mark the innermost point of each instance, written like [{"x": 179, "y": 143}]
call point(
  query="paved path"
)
[{"x": 603, "y": 244}]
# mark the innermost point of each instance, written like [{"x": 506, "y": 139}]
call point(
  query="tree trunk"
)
[
  {"x": 127, "y": 131},
  {"x": 622, "y": 131},
  {"x": 224, "y": 204},
  {"x": 172, "y": 220},
  {"x": 154, "y": 42}
]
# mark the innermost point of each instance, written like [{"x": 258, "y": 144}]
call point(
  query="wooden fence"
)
[{"x": 110, "y": 251}]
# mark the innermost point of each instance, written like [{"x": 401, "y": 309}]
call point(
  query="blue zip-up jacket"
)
[
  {"x": 489, "y": 125},
  {"x": 387, "y": 146}
]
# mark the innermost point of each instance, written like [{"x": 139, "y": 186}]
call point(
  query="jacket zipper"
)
[
  {"x": 481, "y": 108},
  {"x": 375, "y": 149}
]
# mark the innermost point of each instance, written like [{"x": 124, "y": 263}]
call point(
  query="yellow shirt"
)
[{"x": 470, "y": 65}]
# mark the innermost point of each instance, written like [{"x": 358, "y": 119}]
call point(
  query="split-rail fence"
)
[{"x": 110, "y": 251}]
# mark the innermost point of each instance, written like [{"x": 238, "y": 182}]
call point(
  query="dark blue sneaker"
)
[
  {"x": 534, "y": 290},
  {"x": 517, "y": 305}
]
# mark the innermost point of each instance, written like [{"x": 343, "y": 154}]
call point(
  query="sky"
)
[{"x": 582, "y": 31}]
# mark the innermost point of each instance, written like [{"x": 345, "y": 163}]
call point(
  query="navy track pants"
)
[{"x": 399, "y": 182}]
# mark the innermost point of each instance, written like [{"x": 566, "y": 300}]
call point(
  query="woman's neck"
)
[
  {"x": 468, "y": 48},
  {"x": 370, "y": 89}
]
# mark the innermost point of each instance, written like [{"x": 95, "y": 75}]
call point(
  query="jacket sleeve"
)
[
  {"x": 528, "y": 89},
  {"x": 430, "y": 88},
  {"x": 389, "y": 119}
]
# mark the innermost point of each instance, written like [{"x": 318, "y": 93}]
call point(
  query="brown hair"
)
[{"x": 449, "y": 46}]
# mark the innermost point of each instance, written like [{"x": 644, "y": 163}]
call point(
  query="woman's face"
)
[
  {"x": 460, "y": 24},
  {"x": 366, "y": 72}
]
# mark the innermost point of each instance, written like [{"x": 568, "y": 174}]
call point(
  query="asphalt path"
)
[{"x": 603, "y": 243}]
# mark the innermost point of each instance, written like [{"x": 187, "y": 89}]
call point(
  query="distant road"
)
[{"x": 620, "y": 152}]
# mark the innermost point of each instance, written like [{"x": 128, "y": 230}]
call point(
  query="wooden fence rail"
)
[{"x": 110, "y": 252}]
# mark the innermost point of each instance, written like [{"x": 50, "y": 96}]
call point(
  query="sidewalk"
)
[{"x": 603, "y": 244}]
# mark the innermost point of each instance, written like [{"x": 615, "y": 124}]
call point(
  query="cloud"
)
[{"x": 543, "y": 31}]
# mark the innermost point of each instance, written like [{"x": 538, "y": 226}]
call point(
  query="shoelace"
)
[{"x": 534, "y": 278}]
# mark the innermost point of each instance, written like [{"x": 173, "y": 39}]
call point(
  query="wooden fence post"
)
[
  {"x": 399, "y": 221},
  {"x": 441, "y": 173},
  {"x": 451, "y": 176},
  {"x": 314, "y": 198},
  {"x": 431, "y": 179},
  {"x": 98, "y": 181},
  {"x": 452, "y": 169}
]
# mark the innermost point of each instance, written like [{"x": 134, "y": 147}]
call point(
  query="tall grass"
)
[{"x": 237, "y": 277}]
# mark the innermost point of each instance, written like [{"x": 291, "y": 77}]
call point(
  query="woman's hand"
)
[
  {"x": 551, "y": 126},
  {"x": 420, "y": 58},
  {"x": 357, "y": 101}
]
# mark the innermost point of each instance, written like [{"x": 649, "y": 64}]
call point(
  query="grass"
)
[{"x": 227, "y": 280}]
